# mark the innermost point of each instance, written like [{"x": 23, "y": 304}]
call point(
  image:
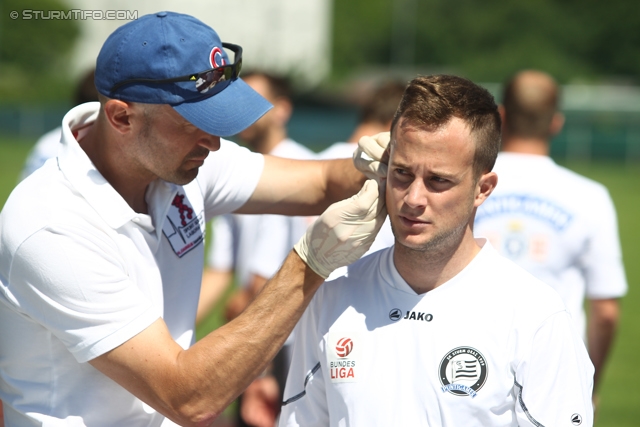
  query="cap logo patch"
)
[{"x": 216, "y": 58}]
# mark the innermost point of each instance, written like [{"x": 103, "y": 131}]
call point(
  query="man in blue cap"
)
[{"x": 101, "y": 249}]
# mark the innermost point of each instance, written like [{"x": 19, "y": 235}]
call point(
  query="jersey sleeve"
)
[
  {"x": 554, "y": 380},
  {"x": 221, "y": 255},
  {"x": 228, "y": 178},
  {"x": 305, "y": 401},
  {"x": 602, "y": 260}
]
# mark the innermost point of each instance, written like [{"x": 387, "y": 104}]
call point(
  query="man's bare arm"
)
[
  {"x": 192, "y": 387},
  {"x": 307, "y": 187},
  {"x": 302, "y": 187}
]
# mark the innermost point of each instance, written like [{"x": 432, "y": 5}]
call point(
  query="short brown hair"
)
[{"x": 430, "y": 102}]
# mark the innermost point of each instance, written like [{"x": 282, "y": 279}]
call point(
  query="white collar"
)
[{"x": 89, "y": 182}]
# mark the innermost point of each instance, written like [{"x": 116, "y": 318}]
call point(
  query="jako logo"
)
[{"x": 344, "y": 347}]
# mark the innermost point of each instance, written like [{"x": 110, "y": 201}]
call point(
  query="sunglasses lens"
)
[
  {"x": 238, "y": 67},
  {"x": 209, "y": 79}
]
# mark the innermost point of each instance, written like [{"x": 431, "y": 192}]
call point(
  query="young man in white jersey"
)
[
  {"x": 438, "y": 330},
  {"x": 558, "y": 225},
  {"x": 101, "y": 250}
]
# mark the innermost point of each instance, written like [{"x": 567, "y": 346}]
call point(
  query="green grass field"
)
[{"x": 620, "y": 392}]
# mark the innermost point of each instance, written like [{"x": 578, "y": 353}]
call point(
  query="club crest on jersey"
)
[
  {"x": 342, "y": 356},
  {"x": 463, "y": 371},
  {"x": 182, "y": 227}
]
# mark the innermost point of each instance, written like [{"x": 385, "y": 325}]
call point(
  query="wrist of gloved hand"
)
[
  {"x": 371, "y": 157},
  {"x": 345, "y": 231}
]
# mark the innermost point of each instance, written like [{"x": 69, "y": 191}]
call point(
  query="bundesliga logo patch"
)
[
  {"x": 182, "y": 227},
  {"x": 343, "y": 349}
]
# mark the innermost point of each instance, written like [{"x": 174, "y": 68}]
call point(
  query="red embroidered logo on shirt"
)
[
  {"x": 182, "y": 227},
  {"x": 185, "y": 211}
]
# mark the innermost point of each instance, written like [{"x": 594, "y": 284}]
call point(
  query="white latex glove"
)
[
  {"x": 345, "y": 231},
  {"x": 370, "y": 157}
]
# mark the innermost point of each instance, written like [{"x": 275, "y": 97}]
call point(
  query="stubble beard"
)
[
  {"x": 440, "y": 245},
  {"x": 175, "y": 176}
]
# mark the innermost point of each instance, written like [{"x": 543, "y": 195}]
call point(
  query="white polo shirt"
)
[
  {"x": 81, "y": 273},
  {"x": 491, "y": 347},
  {"x": 558, "y": 225}
]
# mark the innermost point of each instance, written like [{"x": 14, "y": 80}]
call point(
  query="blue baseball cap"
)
[{"x": 166, "y": 45}]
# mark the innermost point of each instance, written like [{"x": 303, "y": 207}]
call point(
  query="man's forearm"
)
[
  {"x": 299, "y": 187},
  {"x": 193, "y": 386},
  {"x": 241, "y": 351},
  {"x": 343, "y": 179}
]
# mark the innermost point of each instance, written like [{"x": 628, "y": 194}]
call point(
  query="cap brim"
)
[{"x": 228, "y": 112}]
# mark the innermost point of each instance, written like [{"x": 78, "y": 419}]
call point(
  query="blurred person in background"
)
[
  {"x": 560, "y": 226},
  {"x": 375, "y": 118},
  {"x": 251, "y": 248},
  {"x": 48, "y": 144}
]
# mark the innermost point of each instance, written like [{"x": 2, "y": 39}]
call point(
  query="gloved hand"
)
[
  {"x": 345, "y": 231},
  {"x": 371, "y": 157}
]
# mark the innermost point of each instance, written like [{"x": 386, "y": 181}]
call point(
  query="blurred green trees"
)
[
  {"x": 586, "y": 40},
  {"x": 575, "y": 40},
  {"x": 34, "y": 53}
]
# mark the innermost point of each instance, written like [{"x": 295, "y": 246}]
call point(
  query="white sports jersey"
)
[
  {"x": 493, "y": 346},
  {"x": 258, "y": 244},
  {"x": 558, "y": 225},
  {"x": 385, "y": 238},
  {"x": 81, "y": 273}
]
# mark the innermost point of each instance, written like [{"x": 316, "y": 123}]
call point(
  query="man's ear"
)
[
  {"x": 118, "y": 114},
  {"x": 557, "y": 122},
  {"x": 485, "y": 187}
]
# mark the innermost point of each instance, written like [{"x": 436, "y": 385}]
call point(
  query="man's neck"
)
[
  {"x": 426, "y": 270},
  {"x": 518, "y": 145},
  {"x": 110, "y": 162}
]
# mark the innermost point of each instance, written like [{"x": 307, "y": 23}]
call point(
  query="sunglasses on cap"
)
[{"x": 203, "y": 80}]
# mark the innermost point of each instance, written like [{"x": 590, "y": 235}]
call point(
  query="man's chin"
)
[
  {"x": 183, "y": 177},
  {"x": 414, "y": 243}
]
